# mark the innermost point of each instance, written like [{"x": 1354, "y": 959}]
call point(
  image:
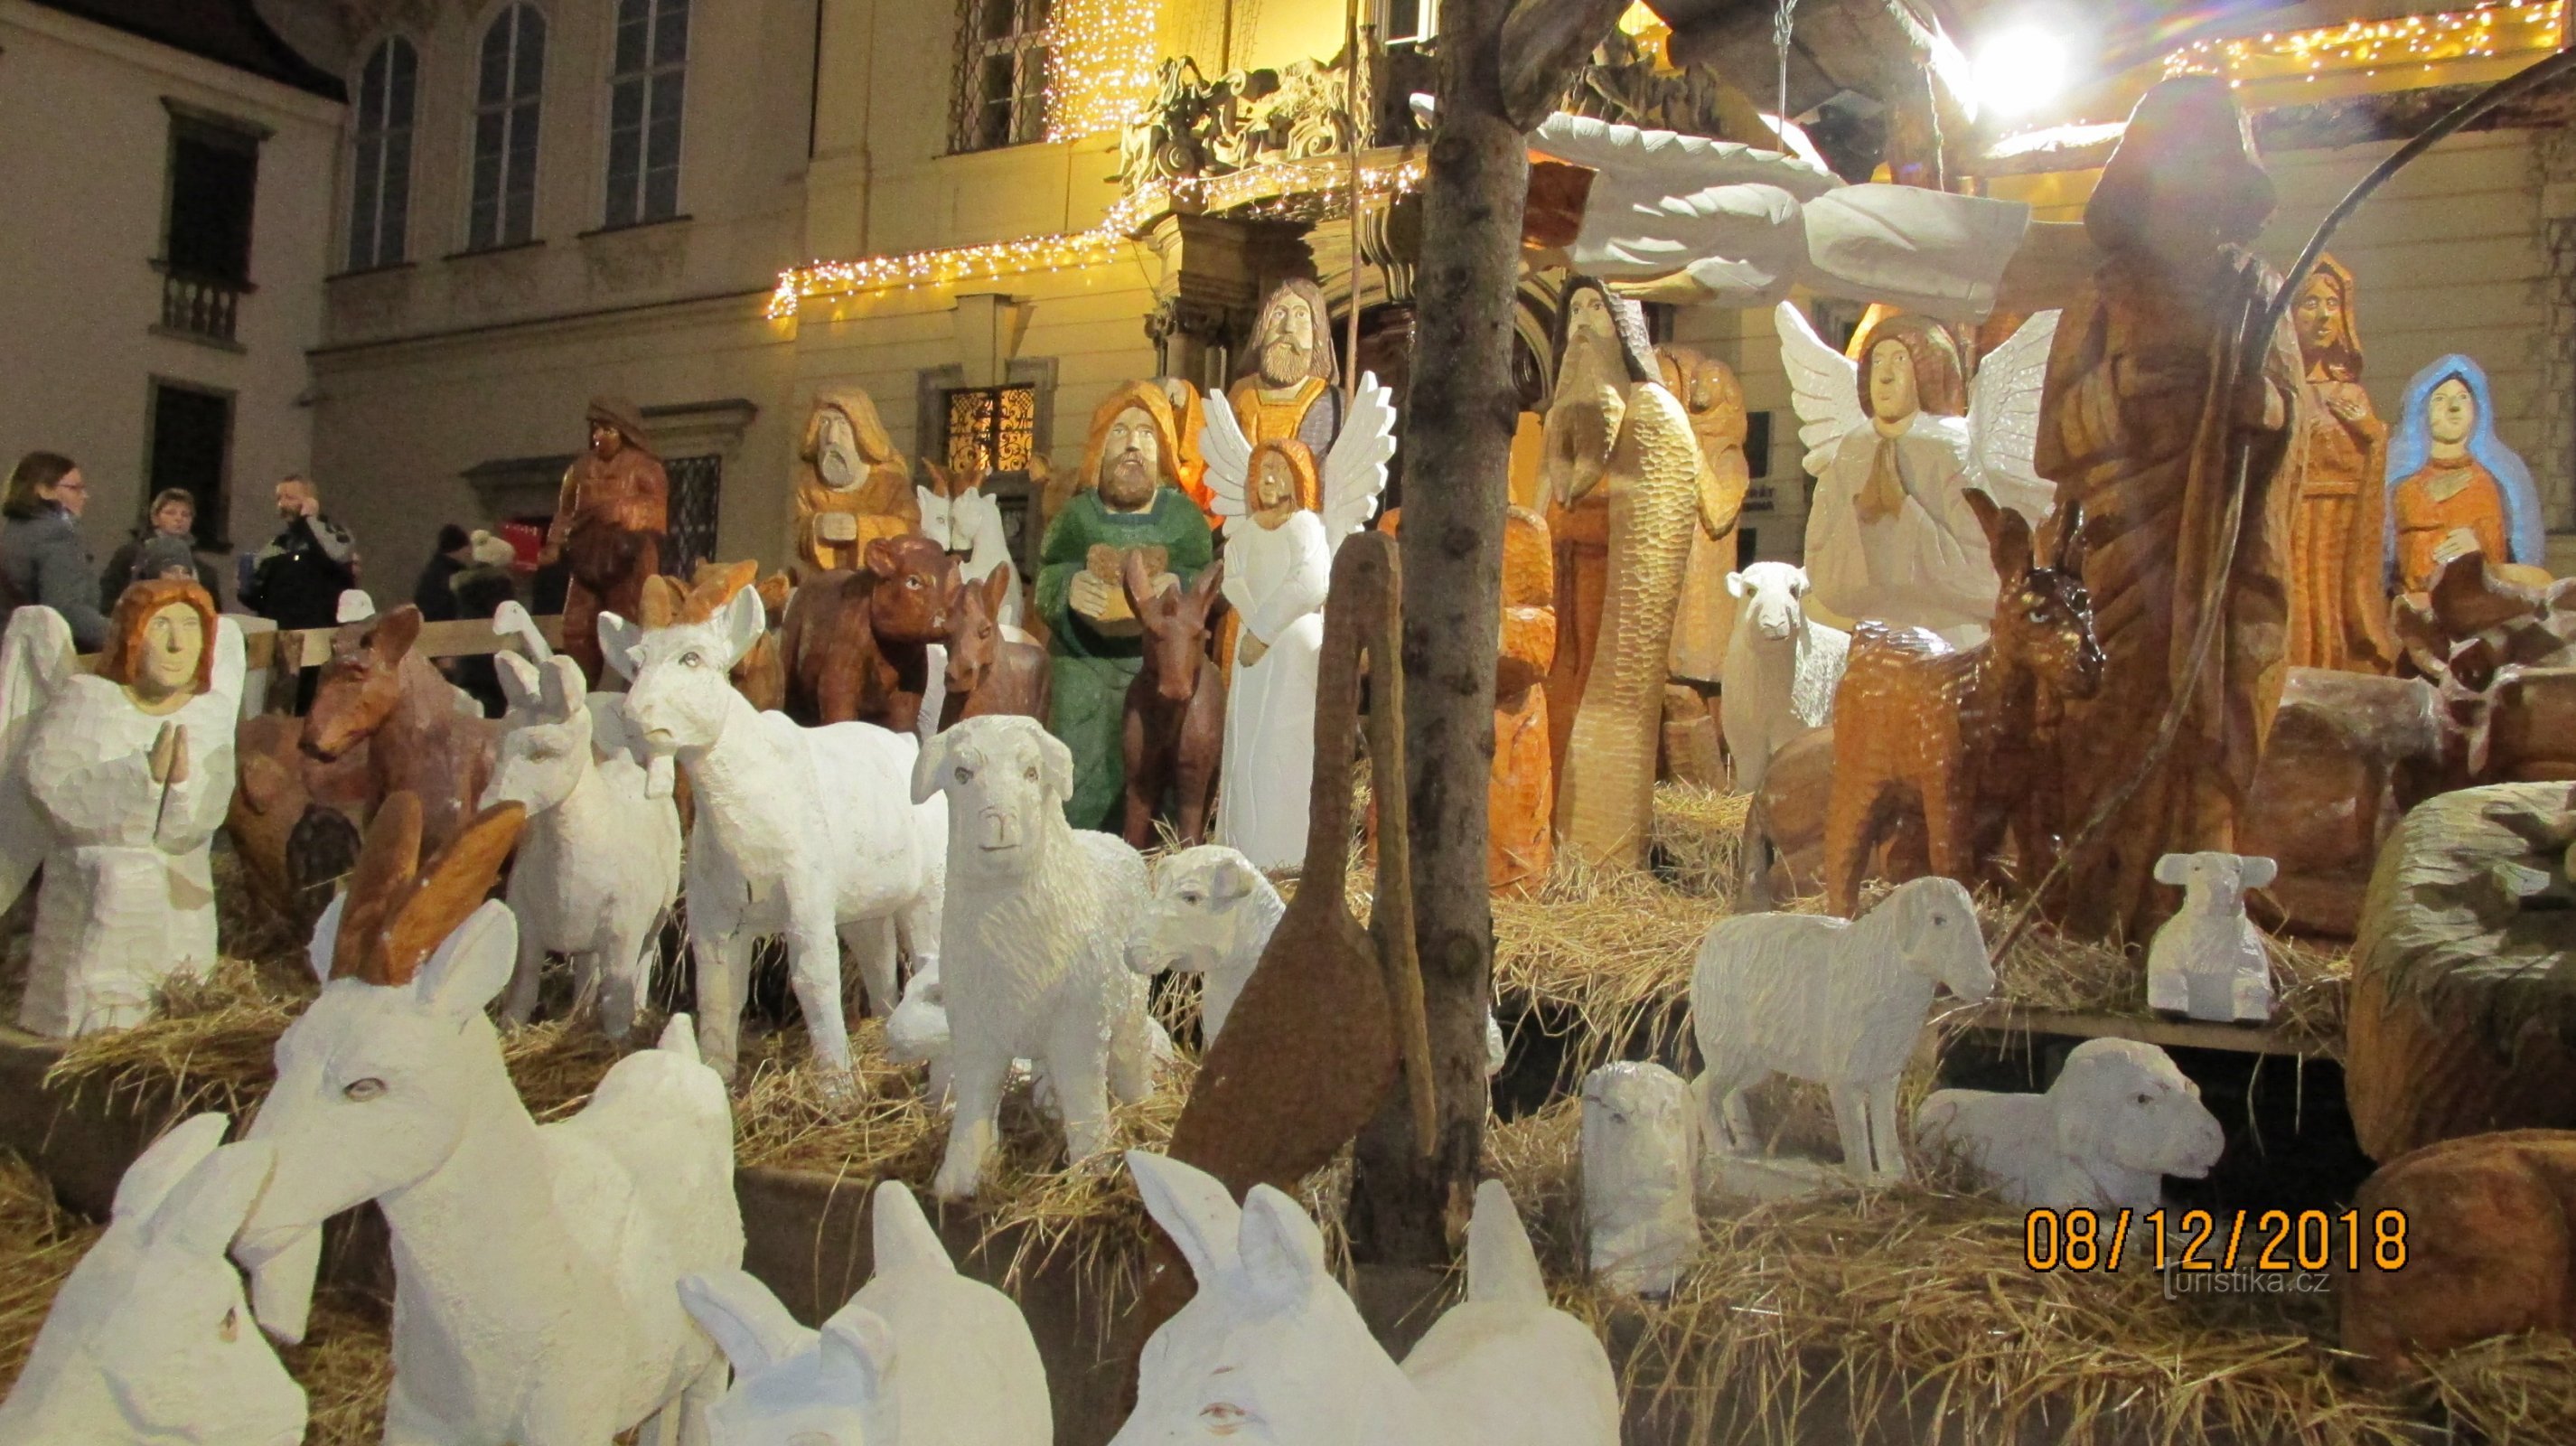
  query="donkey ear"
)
[
  {"x": 201, "y": 1216},
  {"x": 1135, "y": 579},
  {"x": 618, "y": 640},
  {"x": 1210, "y": 579},
  {"x": 745, "y": 621},
  {"x": 158, "y": 1170},
  {"x": 1282, "y": 1251},
  {"x": 753, "y": 1330},
  {"x": 395, "y": 632},
  {"x": 519, "y": 682},
  {"x": 563, "y": 692},
  {"x": 2072, "y": 545},
  {"x": 997, "y": 586},
  {"x": 2007, "y": 536},
  {"x": 1193, "y": 1209}
]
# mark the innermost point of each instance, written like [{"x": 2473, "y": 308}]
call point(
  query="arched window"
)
[
  {"x": 644, "y": 94},
  {"x": 380, "y": 172},
  {"x": 506, "y": 95}
]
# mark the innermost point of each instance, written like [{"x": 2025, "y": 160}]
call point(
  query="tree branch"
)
[{"x": 1543, "y": 42}]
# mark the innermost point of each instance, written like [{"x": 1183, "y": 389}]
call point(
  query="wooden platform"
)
[{"x": 2004, "y": 1017}]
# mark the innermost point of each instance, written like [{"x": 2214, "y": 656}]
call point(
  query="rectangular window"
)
[
  {"x": 991, "y": 429},
  {"x": 506, "y": 112},
  {"x": 192, "y": 443},
  {"x": 380, "y": 160},
  {"x": 1758, "y": 497},
  {"x": 1002, "y": 60},
  {"x": 646, "y": 90},
  {"x": 214, "y": 180},
  {"x": 697, "y": 484},
  {"x": 1403, "y": 22}
]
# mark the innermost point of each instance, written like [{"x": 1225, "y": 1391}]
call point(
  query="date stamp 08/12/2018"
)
[{"x": 2266, "y": 1242}]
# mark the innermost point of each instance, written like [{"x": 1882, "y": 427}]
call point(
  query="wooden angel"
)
[
  {"x": 1890, "y": 537},
  {"x": 1278, "y": 562},
  {"x": 115, "y": 782}
]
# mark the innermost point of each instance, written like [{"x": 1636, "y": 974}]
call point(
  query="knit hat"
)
[
  {"x": 491, "y": 551},
  {"x": 164, "y": 553}
]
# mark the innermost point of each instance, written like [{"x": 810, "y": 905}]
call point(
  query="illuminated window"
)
[
  {"x": 991, "y": 429},
  {"x": 380, "y": 178},
  {"x": 1001, "y": 74},
  {"x": 506, "y": 100},
  {"x": 1402, "y": 22},
  {"x": 645, "y": 90}
]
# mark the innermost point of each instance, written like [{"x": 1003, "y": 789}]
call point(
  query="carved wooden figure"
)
[
  {"x": 1613, "y": 428},
  {"x": 1839, "y": 1002},
  {"x": 1710, "y": 395},
  {"x": 1175, "y": 715},
  {"x": 921, "y": 1356},
  {"x": 2487, "y": 1224},
  {"x": 1290, "y": 395},
  {"x": 2208, "y": 961},
  {"x": 2338, "y": 572},
  {"x": 1520, "y": 797},
  {"x": 1782, "y": 669},
  {"x": 149, "y": 1341},
  {"x": 1640, "y": 1175},
  {"x": 2453, "y": 485},
  {"x": 1032, "y": 958},
  {"x": 1271, "y": 1345},
  {"x": 2118, "y": 1118},
  {"x": 424, "y": 736},
  {"x": 1960, "y": 735},
  {"x": 290, "y": 816},
  {"x": 115, "y": 782},
  {"x": 608, "y": 526},
  {"x": 1212, "y": 915},
  {"x": 522, "y": 1311},
  {"x": 852, "y": 487},
  {"x": 854, "y": 641},
  {"x": 806, "y": 832},
  {"x": 993, "y": 667},
  {"x": 599, "y": 864}
]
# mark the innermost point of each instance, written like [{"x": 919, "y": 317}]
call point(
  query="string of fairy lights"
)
[
  {"x": 2500, "y": 27},
  {"x": 1100, "y": 66}
]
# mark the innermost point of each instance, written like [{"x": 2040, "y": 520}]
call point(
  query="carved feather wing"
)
[
  {"x": 2003, "y": 417},
  {"x": 36, "y": 660},
  {"x": 1672, "y": 162},
  {"x": 1823, "y": 384},
  {"x": 1229, "y": 456},
  {"x": 232, "y": 664},
  {"x": 1355, "y": 470}
]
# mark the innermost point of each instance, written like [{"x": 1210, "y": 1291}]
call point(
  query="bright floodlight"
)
[{"x": 2020, "y": 71}]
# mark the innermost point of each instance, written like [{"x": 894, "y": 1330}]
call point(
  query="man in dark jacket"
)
[
  {"x": 298, "y": 578},
  {"x": 434, "y": 593},
  {"x": 173, "y": 515}
]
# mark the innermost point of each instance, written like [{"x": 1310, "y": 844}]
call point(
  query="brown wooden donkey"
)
[
  {"x": 379, "y": 691},
  {"x": 1175, "y": 719}
]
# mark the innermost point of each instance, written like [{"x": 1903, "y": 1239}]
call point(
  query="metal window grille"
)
[
  {"x": 1002, "y": 55},
  {"x": 646, "y": 88},
  {"x": 991, "y": 429},
  {"x": 506, "y": 108},
  {"x": 696, "y": 485},
  {"x": 380, "y": 187}
]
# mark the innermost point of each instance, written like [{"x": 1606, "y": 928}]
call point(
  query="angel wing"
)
[
  {"x": 2003, "y": 417},
  {"x": 1229, "y": 457},
  {"x": 1823, "y": 383},
  {"x": 36, "y": 660},
  {"x": 232, "y": 664},
  {"x": 1355, "y": 469}
]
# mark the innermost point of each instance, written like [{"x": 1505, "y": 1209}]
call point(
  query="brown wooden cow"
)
[
  {"x": 857, "y": 643},
  {"x": 1175, "y": 722},
  {"x": 379, "y": 691}
]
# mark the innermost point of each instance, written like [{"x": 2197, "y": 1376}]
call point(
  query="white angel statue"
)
[
  {"x": 115, "y": 782},
  {"x": 1889, "y": 534},
  {"x": 1282, "y": 526}
]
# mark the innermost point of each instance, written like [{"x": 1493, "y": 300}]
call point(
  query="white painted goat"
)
[
  {"x": 1272, "y": 1350},
  {"x": 2118, "y": 1119},
  {"x": 1640, "y": 1212},
  {"x": 921, "y": 1356},
  {"x": 150, "y": 1341},
  {"x": 1780, "y": 672},
  {"x": 807, "y": 832},
  {"x": 2208, "y": 960},
  {"x": 1836, "y": 1001},
  {"x": 599, "y": 864}
]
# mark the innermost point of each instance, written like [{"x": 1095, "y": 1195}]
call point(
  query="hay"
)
[{"x": 1697, "y": 837}]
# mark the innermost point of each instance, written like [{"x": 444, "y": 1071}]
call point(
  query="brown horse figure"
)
[
  {"x": 1175, "y": 720},
  {"x": 989, "y": 672},
  {"x": 858, "y": 643},
  {"x": 376, "y": 690}
]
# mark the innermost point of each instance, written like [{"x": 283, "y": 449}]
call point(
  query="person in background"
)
[
  {"x": 432, "y": 593},
  {"x": 297, "y": 579},
  {"x": 173, "y": 516},
  {"x": 42, "y": 558},
  {"x": 475, "y": 593}
]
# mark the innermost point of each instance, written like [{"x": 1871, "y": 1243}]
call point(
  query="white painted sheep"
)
[
  {"x": 2118, "y": 1119},
  {"x": 917, "y": 1033},
  {"x": 805, "y": 832},
  {"x": 1781, "y": 669},
  {"x": 1639, "y": 1215},
  {"x": 2207, "y": 961},
  {"x": 1835, "y": 1001},
  {"x": 921, "y": 1356},
  {"x": 150, "y": 1339},
  {"x": 599, "y": 863},
  {"x": 1272, "y": 1350},
  {"x": 1033, "y": 944}
]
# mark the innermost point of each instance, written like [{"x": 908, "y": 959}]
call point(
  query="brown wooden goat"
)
[
  {"x": 1960, "y": 736},
  {"x": 378, "y": 691},
  {"x": 989, "y": 672},
  {"x": 1175, "y": 722},
  {"x": 857, "y": 643}
]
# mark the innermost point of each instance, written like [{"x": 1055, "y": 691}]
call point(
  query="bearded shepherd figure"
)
[
  {"x": 1290, "y": 396},
  {"x": 609, "y": 523}
]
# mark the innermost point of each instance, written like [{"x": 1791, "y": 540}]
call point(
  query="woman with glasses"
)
[{"x": 42, "y": 558}]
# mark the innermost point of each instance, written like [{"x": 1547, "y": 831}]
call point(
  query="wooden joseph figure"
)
[
  {"x": 852, "y": 486},
  {"x": 608, "y": 527},
  {"x": 1614, "y": 431},
  {"x": 2143, "y": 415},
  {"x": 2338, "y": 600}
]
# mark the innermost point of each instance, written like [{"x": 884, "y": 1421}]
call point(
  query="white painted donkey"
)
[
  {"x": 806, "y": 832},
  {"x": 600, "y": 861},
  {"x": 150, "y": 1341}
]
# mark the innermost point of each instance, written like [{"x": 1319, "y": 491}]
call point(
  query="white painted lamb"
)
[
  {"x": 599, "y": 864},
  {"x": 1836, "y": 1001},
  {"x": 1640, "y": 1215},
  {"x": 806, "y": 832},
  {"x": 2119, "y": 1118},
  {"x": 534, "y": 1264},
  {"x": 921, "y": 1356},
  {"x": 150, "y": 1341},
  {"x": 2207, "y": 961},
  {"x": 917, "y": 1033},
  {"x": 1032, "y": 947},
  {"x": 1272, "y": 1350},
  {"x": 1781, "y": 669}
]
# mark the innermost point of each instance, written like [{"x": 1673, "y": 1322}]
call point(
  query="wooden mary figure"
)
[
  {"x": 1278, "y": 564},
  {"x": 2338, "y": 595},
  {"x": 2453, "y": 485},
  {"x": 1890, "y": 537},
  {"x": 116, "y": 782}
]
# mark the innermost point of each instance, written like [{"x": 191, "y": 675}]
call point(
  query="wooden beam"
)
[
  {"x": 2004, "y": 1017},
  {"x": 311, "y": 647}
]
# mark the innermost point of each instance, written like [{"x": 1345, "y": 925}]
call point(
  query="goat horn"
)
[
  {"x": 450, "y": 886},
  {"x": 387, "y": 861}
]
